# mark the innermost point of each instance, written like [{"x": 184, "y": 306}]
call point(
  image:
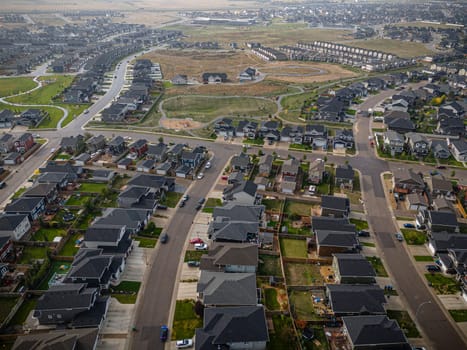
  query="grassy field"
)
[
  {"x": 48, "y": 234},
  {"x": 359, "y": 224},
  {"x": 145, "y": 242},
  {"x": 171, "y": 199},
  {"x": 404, "y": 49},
  {"x": 270, "y": 297},
  {"x": 302, "y": 274},
  {"x": 77, "y": 200},
  {"x": 378, "y": 266},
  {"x": 185, "y": 320},
  {"x": 12, "y": 86},
  {"x": 204, "y": 108},
  {"x": 272, "y": 204},
  {"x": 293, "y": 248},
  {"x": 269, "y": 265},
  {"x": 211, "y": 203},
  {"x": 302, "y": 305},
  {"x": 442, "y": 284}
]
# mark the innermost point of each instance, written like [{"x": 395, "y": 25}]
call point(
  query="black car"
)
[
  {"x": 193, "y": 263},
  {"x": 182, "y": 204},
  {"x": 363, "y": 233},
  {"x": 202, "y": 200},
  {"x": 161, "y": 207},
  {"x": 433, "y": 268},
  {"x": 199, "y": 206},
  {"x": 164, "y": 238}
]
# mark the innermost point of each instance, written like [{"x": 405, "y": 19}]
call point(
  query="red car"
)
[{"x": 196, "y": 240}]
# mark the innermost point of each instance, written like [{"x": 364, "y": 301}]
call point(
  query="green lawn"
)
[
  {"x": 459, "y": 315},
  {"x": 53, "y": 86},
  {"x": 298, "y": 147},
  {"x": 270, "y": 297},
  {"x": 19, "y": 192},
  {"x": 426, "y": 258},
  {"x": 206, "y": 108},
  {"x": 211, "y": 203},
  {"x": 269, "y": 265},
  {"x": 48, "y": 234},
  {"x": 126, "y": 292},
  {"x": 71, "y": 248},
  {"x": 13, "y": 86},
  {"x": 301, "y": 305},
  {"x": 284, "y": 336},
  {"x": 22, "y": 314},
  {"x": 298, "y": 208},
  {"x": 378, "y": 266},
  {"x": 77, "y": 200},
  {"x": 90, "y": 187},
  {"x": 194, "y": 255},
  {"x": 145, "y": 242},
  {"x": 256, "y": 142},
  {"x": 295, "y": 248},
  {"x": 32, "y": 253},
  {"x": 60, "y": 267},
  {"x": 6, "y": 304},
  {"x": 171, "y": 199},
  {"x": 414, "y": 237},
  {"x": 368, "y": 244},
  {"x": 62, "y": 156},
  {"x": 296, "y": 230},
  {"x": 303, "y": 274},
  {"x": 405, "y": 322},
  {"x": 272, "y": 204},
  {"x": 125, "y": 298},
  {"x": 359, "y": 224},
  {"x": 185, "y": 320},
  {"x": 442, "y": 284},
  {"x": 320, "y": 342}
]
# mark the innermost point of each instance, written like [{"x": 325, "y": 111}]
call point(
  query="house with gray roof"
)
[
  {"x": 60, "y": 180},
  {"x": 116, "y": 146},
  {"x": 265, "y": 165},
  {"x": 95, "y": 237},
  {"x": 439, "y": 221},
  {"x": 47, "y": 191},
  {"x": 331, "y": 223},
  {"x": 352, "y": 268},
  {"x": 344, "y": 176},
  {"x": 316, "y": 172},
  {"x": 157, "y": 152},
  {"x": 133, "y": 219},
  {"x": 439, "y": 186},
  {"x": 393, "y": 142},
  {"x": 158, "y": 184},
  {"x": 14, "y": 226},
  {"x": 243, "y": 192},
  {"x": 331, "y": 242},
  {"x": 418, "y": 144},
  {"x": 241, "y": 327},
  {"x": 70, "y": 339},
  {"x": 440, "y": 149},
  {"x": 230, "y": 257},
  {"x": 7, "y": 119},
  {"x": 33, "y": 207},
  {"x": 72, "y": 144},
  {"x": 234, "y": 211},
  {"x": 355, "y": 299},
  {"x": 374, "y": 332},
  {"x": 96, "y": 143},
  {"x": 74, "y": 305},
  {"x": 227, "y": 289},
  {"x": 335, "y": 206},
  {"x": 441, "y": 242},
  {"x": 226, "y": 230},
  {"x": 73, "y": 172},
  {"x": 135, "y": 197},
  {"x": 82, "y": 159},
  {"x": 459, "y": 149},
  {"x": 241, "y": 162},
  {"x": 7, "y": 142},
  {"x": 407, "y": 181}
]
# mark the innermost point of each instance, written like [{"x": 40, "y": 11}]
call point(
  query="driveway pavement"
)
[
  {"x": 118, "y": 318},
  {"x": 136, "y": 263}
]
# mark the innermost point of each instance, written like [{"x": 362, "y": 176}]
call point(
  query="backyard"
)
[
  {"x": 302, "y": 274},
  {"x": 90, "y": 187},
  {"x": 48, "y": 234},
  {"x": 6, "y": 304},
  {"x": 293, "y": 208},
  {"x": 282, "y": 336},
  {"x": 301, "y": 304},
  {"x": 24, "y": 310},
  {"x": 78, "y": 200},
  {"x": 269, "y": 265},
  {"x": 33, "y": 253},
  {"x": 60, "y": 267},
  {"x": 293, "y": 248},
  {"x": 270, "y": 297},
  {"x": 185, "y": 320},
  {"x": 71, "y": 247}
]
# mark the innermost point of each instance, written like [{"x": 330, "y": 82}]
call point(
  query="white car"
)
[
  {"x": 185, "y": 343},
  {"x": 312, "y": 189},
  {"x": 201, "y": 246},
  {"x": 200, "y": 176},
  {"x": 208, "y": 165}
]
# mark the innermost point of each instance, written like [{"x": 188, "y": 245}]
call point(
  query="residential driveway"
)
[
  {"x": 453, "y": 302},
  {"x": 111, "y": 344},
  {"x": 189, "y": 273},
  {"x": 187, "y": 290},
  {"x": 118, "y": 318},
  {"x": 136, "y": 264},
  {"x": 418, "y": 250}
]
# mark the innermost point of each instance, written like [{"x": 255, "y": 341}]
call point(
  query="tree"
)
[
  {"x": 199, "y": 309},
  {"x": 161, "y": 139}
]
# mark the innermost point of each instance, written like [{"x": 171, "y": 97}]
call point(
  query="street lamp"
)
[{"x": 420, "y": 306}]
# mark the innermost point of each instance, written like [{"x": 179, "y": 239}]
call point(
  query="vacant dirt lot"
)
[{"x": 178, "y": 124}]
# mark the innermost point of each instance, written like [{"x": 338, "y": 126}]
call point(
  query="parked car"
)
[
  {"x": 182, "y": 204},
  {"x": 198, "y": 206},
  {"x": 200, "y": 176},
  {"x": 185, "y": 198},
  {"x": 433, "y": 268},
  {"x": 161, "y": 207},
  {"x": 363, "y": 233},
  {"x": 185, "y": 343},
  {"x": 196, "y": 240},
  {"x": 407, "y": 225},
  {"x": 312, "y": 189},
  {"x": 201, "y": 246},
  {"x": 399, "y": 237},
  {"x": 68, "y": 217},
  {"x": 193, "y": 263},
  {"x": 441, "y": 167},
  {"x": 164, "y": 238},
  {"x": 164, "y": 332},
  {"x": 208, "y": 165},
  {"x": 434, "y": 172},
  {"x": 201, "y": 200}
]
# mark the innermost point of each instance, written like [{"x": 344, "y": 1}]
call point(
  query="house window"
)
[
  {"x": 49, "y": 317},
  {"x": 59, "y": 316}
]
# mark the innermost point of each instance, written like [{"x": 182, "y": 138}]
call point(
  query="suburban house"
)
[
  {"x": 316, "y": 171},
  {"x": 102, "y": 175},
  {"x": 439, "y": 186},
  {"x": 14, "y": 226},
  {"x": 72, "y": 304},
  {"x": 157, "y": 184},
  {"x": 230, "y": 257},
  {"x": 416, "y": 201},
  {"x": 225, "y": 230},
  {"x": 47, "y": 191},
  {"x": 243, "y": 192},
  {"x": 83, "y": 339},
  {"x": 316, "y": 135},
  {"x": 418, "y": 144},
  {"x": 7, "y": 119},
  {"x": 31, "y": 117},
  {"x": 180, "y": 79},
  {"x": 292, "y": 134},
  {"x": 191, "y": 159},
  {"x": 72, "y": 144},
  {"x": 224, "y": 127},
  {"x": 227, "y": 289},
  {"x": 124, "y": 163},
  {"x": 441, "y": 204},
  {"x": 116, "y": 146},
  {"x": 451, "y": 127},
  {"x": 440, "y": 221},
  {"x": 407, "y": 181},
  {"x": 331, "y": 223},
  {"x": 241, "y": 327},
  {"x": 82, "y": 159},
  {"x": 335, "y": 206},
  {"x": 459, "y": 150},
  {"x": 157, "y": 152},
  {"x": 13, "y": 158},
  {"x": 139, "y": 147},
  {"x": 33, "y": 207},
  {"x": 73, "y": 172},
  {"x": 330, "y": 242},
  {"x": 265, "y": 165},
  {"x": 393, "y": 142},
  {"x": 343, "y": 139},
  {"x": 248, "y": 74},
  {"x": 374, "y": 332},
  {"x": 134, "y": 220},
  {"x": 60, "y": 180},
  {"x": 352, "y": 268},
  {"x": 440, "y": 149},
  {"x": 214, "y": 78},
  {"x": 96, "y": 143},
  {"x": 24, "y": 143},
  {"x": 7, "y": 142},
  {"x": 355, "y": 299},
  {"x": 344, "y": 176},
  {"x": 112, "y": 239},
  {"x": 441, "y": 242},
  {"x": 269, "y": 130},
  {"x": 247, "y": 129},
  {"x": 146, "y": 165},
  {"x": 241, "y": 162}
]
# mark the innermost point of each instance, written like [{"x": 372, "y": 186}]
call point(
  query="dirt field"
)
[{"x": 177, "y": 124}]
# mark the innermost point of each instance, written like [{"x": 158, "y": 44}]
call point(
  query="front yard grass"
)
[
  {"x": 359, "y": 224},
  {"x": 294, "y": 248},
  {"x": 270, "y": 297},
  {"x": 126, "y": 292},
  {"x": 33, "y": 253},
  {"x": 414, "y": 237},
  {"x": 459, "y": 315},
  {"x": 442, "y": 284},
  {"x": 194, "y": 255},
  {"x": 405, "y": 323},
  {"x": 301, "y": 305},
  {"x": 425, "y": 258},
  {"x": 48, "y": 234},
  {"x": 378, "y": 266},
  {"x": 171, "y": 199},
  {"x": 211, "y": 203},
  {"x": 269, "y": 265},
  {"x": 302, "y": 274},
  {"x": 185, "y": 320},
  {"x": 91, "y": 187},
  {"x": 145, "y": 242},
  {"x": 368, "y": 244},
  {"x": 6, "y": 304}
]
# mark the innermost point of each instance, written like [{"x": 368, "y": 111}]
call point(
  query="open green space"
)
[
  {"x": 459, "y": 315},
  {"x": 378, "y": 266},
  {"x": 211, "y": 203},
  {"x": 425, "y": 258},
  {"x": 90, "y": 187},
  {"x": 301, "y": 305},
  {"x": 293, "y": 248},
  {"x": 284, "y": 335},
  {"x": 206, "y": 108},
  {"x": 145, "y": 242},
  {"x": 194, "y": 255},
  {"x": 171, "y": 199},
  {"x": 59, "y": 267},
  {"x": 269, "y": 265},
  {"x": 16, "y": 85},
  {"x": 359, "y": 224},
  {"x": 413, "y": 236},
  {"x": 78, "y": 200},
  {"x": 294, "y": 208},
  {"x": 185, "y": 320},
  {"x": 442, "y": 284},
  {"x": 71, "y": 247},
  {"x": 6, "y": 304},
  {"x": 48, "y": 234},
  {"x": 22, "y": 314},
  {"x": 31, "y": 253},
  {"x": 404, "y": 49},
  {"x": 270, "y": 297},
  {"x": 405, "y": 322},
  {"x": 302, "y": 274}
]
